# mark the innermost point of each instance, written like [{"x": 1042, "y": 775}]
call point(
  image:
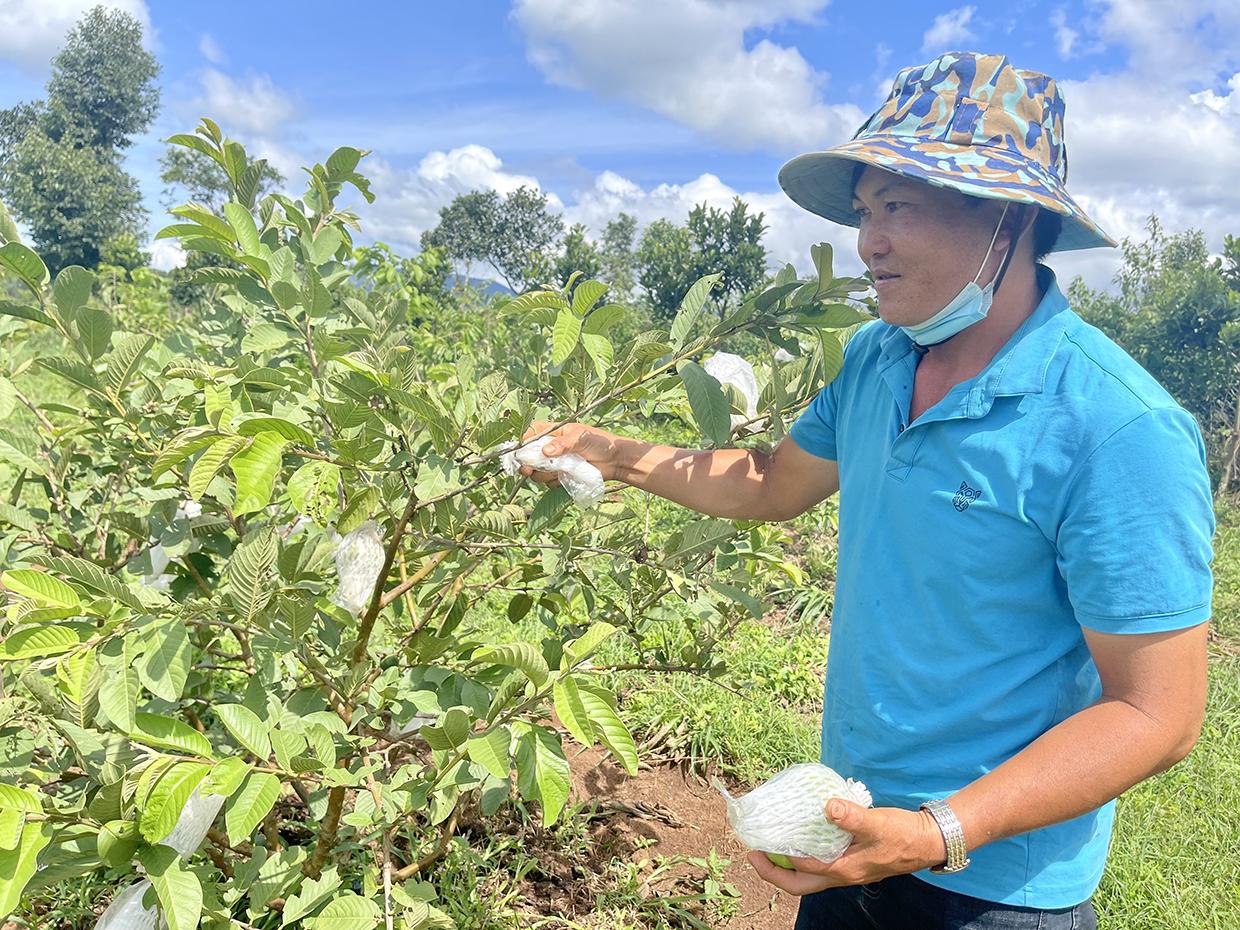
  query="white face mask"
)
[{"x": 968, "y": 307}]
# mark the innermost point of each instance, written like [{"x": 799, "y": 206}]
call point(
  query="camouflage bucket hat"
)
[{"x": 965, "y": 121}]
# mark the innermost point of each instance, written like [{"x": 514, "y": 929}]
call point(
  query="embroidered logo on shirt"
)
[{"x": 965, "y": 496}]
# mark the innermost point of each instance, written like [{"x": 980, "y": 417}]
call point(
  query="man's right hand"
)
[{"x": 598, "y": 447}]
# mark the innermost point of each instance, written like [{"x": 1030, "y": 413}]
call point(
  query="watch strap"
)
[{"x": 953, "y": 836}]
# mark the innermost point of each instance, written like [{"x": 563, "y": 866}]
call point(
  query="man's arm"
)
[
  {"x": 736, "y": 484},
  {"x": 1147, "y": 719}
]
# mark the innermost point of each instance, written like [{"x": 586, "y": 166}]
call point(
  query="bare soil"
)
[{"x": 682, "y": 815}]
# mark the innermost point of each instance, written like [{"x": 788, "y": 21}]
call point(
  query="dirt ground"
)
[{"x": 686, "y": 817}]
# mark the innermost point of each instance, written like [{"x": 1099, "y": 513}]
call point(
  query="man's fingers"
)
[{"x": 793, "y": 882}]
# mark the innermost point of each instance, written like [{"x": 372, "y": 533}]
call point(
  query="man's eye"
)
[
  {"x": 893, "y": 204},
  {"x": 860, "y": 212}
]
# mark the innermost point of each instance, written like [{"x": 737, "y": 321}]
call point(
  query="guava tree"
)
[{"x": 243, "y": 561}]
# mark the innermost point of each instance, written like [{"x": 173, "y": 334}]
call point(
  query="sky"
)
[{"x": 652, "y": 106}]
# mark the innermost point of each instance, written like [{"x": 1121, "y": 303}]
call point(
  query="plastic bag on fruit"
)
[
  {"x": 582, "y": 480},
  {"x": 785, "y": 815},
  {"x": 359, "y": 560},
  {"x": 126, "y": 911},
  {"x": 738, "y": 372},
  {"x": 196, "y": 818}
]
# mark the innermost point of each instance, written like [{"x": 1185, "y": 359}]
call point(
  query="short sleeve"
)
[
  {"x": 814, "y": 429},
  {"x": 1135, "y": 538}
]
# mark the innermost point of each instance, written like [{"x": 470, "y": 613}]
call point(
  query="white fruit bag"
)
[
  {"x": 126, "y": 911},
  {"x": 582, "y": 480},
  {"x": 785, "y": 816},
  {"x": 738, "y": 372},
  {"x": 359, "y": 560}
]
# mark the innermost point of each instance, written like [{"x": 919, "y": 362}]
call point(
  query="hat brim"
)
[{"x": 821, "y": 182}]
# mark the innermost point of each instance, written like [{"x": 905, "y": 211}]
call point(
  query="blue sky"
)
[{"x": 651, "y": 106}]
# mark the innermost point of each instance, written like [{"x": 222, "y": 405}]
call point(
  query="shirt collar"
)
[{"x": 1019, "y": 367}]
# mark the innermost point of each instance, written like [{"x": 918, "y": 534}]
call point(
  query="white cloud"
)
[
  {"x": 407, "y": 201},
  {"x": 32, "y": 31},
  {"x": 167, "y": 254},
  {"x": 253, "y": 104},
  {"x": 1185, "y": 42},
  {"x": 950, "y": 28},
  {"x": 1065, "y": 35},
  {"x": 688, "y": 60},
  {"x": 210, "y": 49}
]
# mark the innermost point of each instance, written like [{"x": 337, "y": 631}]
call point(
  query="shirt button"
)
[{"x": 901, "y": 428}]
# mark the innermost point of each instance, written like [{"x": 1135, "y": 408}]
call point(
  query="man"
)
[{"x": 1025, "y": 525}]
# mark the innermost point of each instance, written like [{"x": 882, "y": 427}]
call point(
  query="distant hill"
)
[{"x": 485, "y": 286}]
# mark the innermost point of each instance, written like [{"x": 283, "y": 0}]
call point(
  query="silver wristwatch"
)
[{"x": 953, "y": 836}]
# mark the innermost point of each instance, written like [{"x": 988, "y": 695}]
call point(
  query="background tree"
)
[
  {"x": 1176, "y": 314},
  {"x": 515, "y": 235},
  {"x": 60, "y": 165},
  {"x": 190, "y": 175},
  {"x": 671, "y": 257},
  {"x": 618, "y": 256},
  {"x": 578, "y": 253}
]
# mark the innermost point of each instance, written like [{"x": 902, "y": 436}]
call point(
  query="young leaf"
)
[
  {"x": 38, "y": 642},
  {"x": 19, "y": 864},
  {"x": 710, "y": 407},
  {"x": 94, "y": 326},
  {"x": 609, "y": 727},
  {"x": 691, "y": 308},
  {"x": 586, "y": 296},
  {"x": 164, "y": 666},
  {"x": 185, "y": 444},
  {"x": 72, "y": 289},
  {"x": 564, "y": 337},
  {"x": 589, "y": 641},
  {"x": 24, "y": 263},
  {"x": 225, "y": 776},
  {"x": 542, "y": 771},
  {"x": 124, "y": 360},
  {"x": 256, "y": 469},
  {"x": 177, "y": 888},
  {"x": 245, "y": 728},
  {"x": 252, "y": 426},
  {"x": 17, "y": 799},
  {"x": 210, "y": 463},
  {"x": 249, "y": 571},
  {"x": 572, "y": 711},
  {"x": 250, "y": 805},
  {"x": 40, "y": 586},
  {"x": 243, "y": 226},
  {"x": 167, "y": 799},
  {"x": 167, "y": 733},
  {"x": 347, "y": 912},
  {"x": 492, "y": 750},
  {"x": 524, "y": 656},
  {"x": 312, "y": 893},
  {"x": 118, "y": 696}
]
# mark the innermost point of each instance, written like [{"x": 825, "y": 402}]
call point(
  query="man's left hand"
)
[{"x": 886, "y": 841}]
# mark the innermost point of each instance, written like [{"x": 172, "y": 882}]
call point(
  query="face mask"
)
[{"x": 968, "y": 307}]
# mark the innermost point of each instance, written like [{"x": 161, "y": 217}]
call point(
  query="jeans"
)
[{"x": 907, "y": 903}]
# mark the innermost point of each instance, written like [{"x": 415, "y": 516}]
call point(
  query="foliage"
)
[
  {"x": 514, "y": 234},
  {"x": 60, "y": 168},
  {"x": 103, "y": 80},
  {"x": 1176, "y": 314},
  {"x": 728, "y": 242},
  {"x": 192, "y": 175},
  {"x": 171, "y": 627},
  {"x": 578, "y": 253},
  {"x": 618, "y": 257}
]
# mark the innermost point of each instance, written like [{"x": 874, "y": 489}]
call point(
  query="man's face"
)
[{"x": 921, "y": 243}]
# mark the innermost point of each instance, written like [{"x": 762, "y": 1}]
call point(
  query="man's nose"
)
[{"x": 872, "y": 243}]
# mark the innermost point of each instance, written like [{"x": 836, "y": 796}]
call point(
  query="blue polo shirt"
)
[{"x": 1061, "y": 488}]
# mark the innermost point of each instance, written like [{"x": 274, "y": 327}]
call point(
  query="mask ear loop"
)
[{"x": 1019, "y": 210}]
